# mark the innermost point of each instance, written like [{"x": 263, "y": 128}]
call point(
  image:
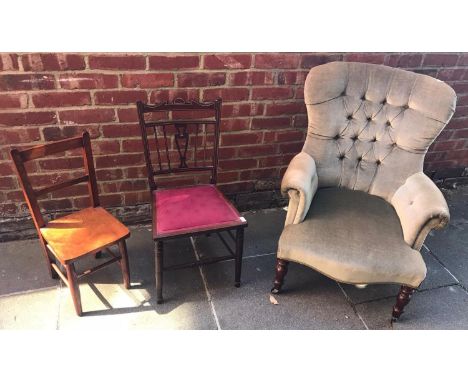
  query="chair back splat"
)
[{"x": 186, "y": 137}]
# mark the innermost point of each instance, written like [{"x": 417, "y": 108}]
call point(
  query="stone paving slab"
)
[
  {"x": 309, "y": 301},
  {"x": 441, "y": 308},
  {"x": 23, "y": 267}
]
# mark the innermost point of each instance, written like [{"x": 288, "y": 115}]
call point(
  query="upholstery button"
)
[
  {"x": 369, "y": 119},
  {"x": 336, "y": 137},
  {"x": 363, "y": 98},
  {"x": 359, "y": 159},
  {"x": 374, "y": 139},
  {"x": 384, "y": 102},
  {"x": 388, "y": 123},
  {"x": 354, "y": 138},
  {"x": 406, "y": 107},
  {"x": 378, "y": 162},
  {"x": 350, "y": 117},
  {"x": 341, "y": 157}
]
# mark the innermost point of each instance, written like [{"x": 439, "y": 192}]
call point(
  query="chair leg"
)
[
  {"x": 281, "y": 270},
  {"x": 158, "y": 259},
  {"x": 239, "y": 252},
  {"x": 124, "y": 263},
  {"x": 49, "y": 261},
  {"x": 74, "y": 288},
  {"x": 403, "y": 299}
]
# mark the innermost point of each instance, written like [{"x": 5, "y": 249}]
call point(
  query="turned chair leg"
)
[
  {"x": 281, "y": 270},
  {"x": 239, "y": 251},
  {"x": 74, "y": 288},
  {"x": 124, "y": 263},
  {"x": 403, "y": 299},
  {"x": 158, "y": 259}
]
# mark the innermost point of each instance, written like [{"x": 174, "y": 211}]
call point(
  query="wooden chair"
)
[
  {"x": 78, "y": 234},
  {"x": 181, "y": 146}
]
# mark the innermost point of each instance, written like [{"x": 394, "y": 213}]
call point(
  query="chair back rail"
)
[
  {"x": 20, "y": 157},
  {"x": 181, "y": 145}
]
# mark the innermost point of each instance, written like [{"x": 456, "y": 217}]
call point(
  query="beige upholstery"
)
[{"x": 369, "y": 129}]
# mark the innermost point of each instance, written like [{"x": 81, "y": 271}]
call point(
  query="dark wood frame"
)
[
  {"x": 71, "y": 278},
  {"x": 238, "y": 239}
]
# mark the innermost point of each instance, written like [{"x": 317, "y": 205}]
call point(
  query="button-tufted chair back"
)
[{"x": 370, "y": 125}]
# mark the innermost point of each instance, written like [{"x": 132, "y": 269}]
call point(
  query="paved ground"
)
[{"x": 205, "y": 298}]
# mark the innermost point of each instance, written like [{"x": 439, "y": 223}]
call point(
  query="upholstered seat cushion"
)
[
  {"x": 192, "y": 209},
  {"x": 353, "y": 237}
]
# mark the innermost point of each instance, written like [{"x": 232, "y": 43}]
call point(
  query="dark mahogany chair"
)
[
  {"x": 73, "y": 236},
  {"x": 186, "y": 140}
]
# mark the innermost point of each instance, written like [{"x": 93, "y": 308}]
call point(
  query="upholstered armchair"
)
[{"x": 360, "y": 206}]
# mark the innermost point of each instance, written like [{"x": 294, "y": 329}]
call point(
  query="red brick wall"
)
[{"x": 44, "y": 97}]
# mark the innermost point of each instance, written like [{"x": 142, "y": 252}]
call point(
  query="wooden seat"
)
[
  {"x": 83, "y": 232},
  {"x": 78, "y": 234}
]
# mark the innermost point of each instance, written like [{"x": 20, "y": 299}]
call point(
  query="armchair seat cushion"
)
[{"x": 353, "y": 237}]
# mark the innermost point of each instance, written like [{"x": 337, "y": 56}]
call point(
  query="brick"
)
[
  {"x": 242, "y": 110},
  {"x": 105, "y": 147},
  {"x": 237, "y": 164},
  {"x": 287, "y": 78},
  {"x": 289, "y": 136},
  {"x": 147, "y": 80},
  {"x": 117, "y": 62},
  {"x": 274, "y": 161},
  {"x": 109, "y": 174},
  {"x": 265, "y": 173},
  {"x": 176, "y": 62},
  {"x": 251, "y": 78},
  {"x": 13, "y": 101},
  {"x": 119, "y": 160},
  {"x": 139, "y": 197},
  {"x": 463, "y": 59},
  {"x": 121, "y": 131},
  {"x": 56, "y": 204},
  {"x": 233, "y": 188},
  {"x": 61, "y": 99},
  {"x": 271, "y": 93},
  {"x": 119, "y": 97},
  {"x": 171, "y": 94},
  {"x": 201, "y": 79},
  {"x": 54, "y": 133},
  {"x": 300, "y": 121},
  {"x": 371, "y": 58},
  {"x": 404, "y": 60},
  {"x": 309, "y": 61},
  {"x": 88, "y": 81},
  {"x": 235, "y": 124},
  {"x": 8, "y": 209},
  {"x": 271, "y": 123},
  {"x": 87, "y": 116},
  {"x": 461, "y": 134},
  {"x": 26, "y": 82},
  {"x": 8, "y": 61},
  {"x": 227, "y": 177},
  {"x": 111, "y": 200},
  {"x": 40, "y": 62},
  {"x": 444, "y": 146},
  {"x": 288, "y": 148},
  {"x": 277, "y": 61},
  {"x": 13, "y": 136},
  {"x": 440, "y": 59},
  {"x": 257, "y": 151},
  {"x": 460, "y": 88},
  {"x": 6, "y": 169},
  {"x": 286, "y": 108},
  {"x": 227, "y": 61},
  {"x": 27, "y": 118},
  {"x": 63, "y": 163},
  {"x": 8, "y": 183},
  {"x": 227, "y": 94},
  {"x": 457, "y": 154},
  {"x": 240, "y": 139},
  {"x": 127, "y": 115},
  {"x": 135, "y": 172},
  {"x": 132, "y": 146}
]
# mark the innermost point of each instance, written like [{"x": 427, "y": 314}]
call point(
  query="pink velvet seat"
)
[{"x": 191, "y": 209}]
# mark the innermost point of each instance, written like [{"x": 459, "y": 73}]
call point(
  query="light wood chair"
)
[{"x": 73, "y": 236}]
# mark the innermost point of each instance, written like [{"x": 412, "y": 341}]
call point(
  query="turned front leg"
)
[
  {"x": 281, "y": 270},
  {"x": 403, "y": 299}
]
